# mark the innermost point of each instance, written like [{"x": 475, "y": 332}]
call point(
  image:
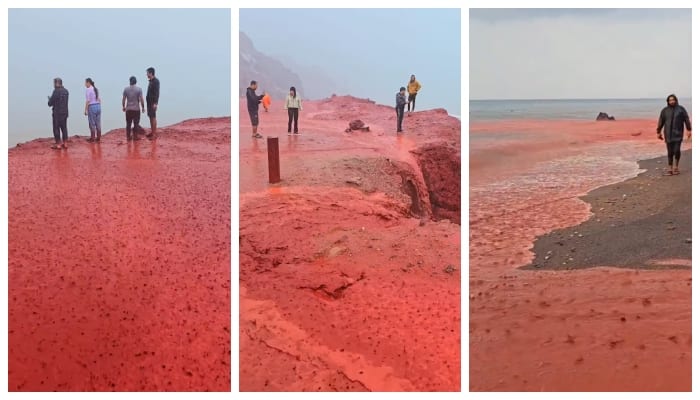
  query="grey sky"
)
[
  {"x": 579, "y": 53},
  {"x": 370, "y": 51},
  {"x": 189, "y": 48}
]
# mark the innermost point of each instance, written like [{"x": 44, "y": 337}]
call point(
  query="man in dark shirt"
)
[
  {"x": 59, "y": 103},
  {"x": 400, "y": 105},
  {"x": 672, "y": 119},
  {"x": 152, "y": 96},
  {"x": 253, "y": 101}
]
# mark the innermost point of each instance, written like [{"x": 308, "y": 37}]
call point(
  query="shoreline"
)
[{"x": 633, "y": 224}]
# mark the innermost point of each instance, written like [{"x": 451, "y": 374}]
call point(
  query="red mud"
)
[
  {"x": 599, "y": 329},
  {"x": 340, "y": 284},
  {"x": 119, "y": 262}
]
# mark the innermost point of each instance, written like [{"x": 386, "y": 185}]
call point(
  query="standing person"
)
[
  {"x": 413, "y": 88},
  {"x": 672, "y": 119},
  {"x": 400, "y": 105},
  {"x": 152, "y": 96},
  {"x": 59, "y": 103},
  {"x": 266, "y": 102},
  {"x": 132, "y": 97},
  {"x": 253, "y": 102},
  {"x": 293, "y": 105},
  {"x": 93, "y": 110}
]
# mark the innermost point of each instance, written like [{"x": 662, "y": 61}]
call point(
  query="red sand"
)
[
  {"x": 340, "y": 289},
  {"x": 600, "y": 329},
  {"x": 119, "y": 263}
]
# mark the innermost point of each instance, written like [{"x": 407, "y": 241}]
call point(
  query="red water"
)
[
  {"x": 600, "y": 329},
  {"x": 340, "y": 290},
  {"x": 119, "y": 263}
]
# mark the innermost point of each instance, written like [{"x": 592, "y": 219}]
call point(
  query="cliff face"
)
[{"x": 271, "y": 74}]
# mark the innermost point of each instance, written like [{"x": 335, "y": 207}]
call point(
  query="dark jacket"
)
[
  {"x": 672, "y": 120},
  {"x": 153, "y": 93},
  {"x": 59, "y": 102},
  {"x": 400, "y": 100},
  {"x": 253, "y": 100}
]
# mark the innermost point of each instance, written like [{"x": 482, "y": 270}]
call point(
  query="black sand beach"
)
[{"x": 643, "y": 223}]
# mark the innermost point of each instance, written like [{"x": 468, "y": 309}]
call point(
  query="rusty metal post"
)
[{"x": 273, "y": 159}]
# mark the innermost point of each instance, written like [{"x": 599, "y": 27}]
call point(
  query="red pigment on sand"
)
[
  {"x": 119, "y": 262},
  {"x": 600, "y": 329},
  {"x": 340, "y": 288}
]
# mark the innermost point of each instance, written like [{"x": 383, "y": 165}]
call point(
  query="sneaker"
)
[
  {"x": 257, "y": 136},
  {"x": 289, "y": 133}
]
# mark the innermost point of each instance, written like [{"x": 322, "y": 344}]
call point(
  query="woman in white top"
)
[
  {"x": 293, "y": 106},
  {"x": 93, "y": 110}
]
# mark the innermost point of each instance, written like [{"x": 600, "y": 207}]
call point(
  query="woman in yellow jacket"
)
[
  {"x": 413, "y": 88},
  {"x": 293, "y": 105}
]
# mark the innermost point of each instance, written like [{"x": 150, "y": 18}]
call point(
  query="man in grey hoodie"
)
[
  {"x": 672, "y": 119},
  {"x": 59, "y": 103}
]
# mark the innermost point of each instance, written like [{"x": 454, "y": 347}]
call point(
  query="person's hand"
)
[
  {"x": 659, "y": 136},
  {"x": 689, "y": 135},
  {"x": 85, "y": 112},
  {"x": 123, "y": 109},
  {"x": 143, "y": 110},
  {"x": 155, "y": 106}
]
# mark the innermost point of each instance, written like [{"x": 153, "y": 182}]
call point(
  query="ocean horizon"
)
[{"x": 574, "y": 109}]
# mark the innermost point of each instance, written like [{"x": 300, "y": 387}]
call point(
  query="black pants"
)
[
  {"x": 293, "y": 115},
  {"x": 132, "y": 117},
  {"x": 399, "y": 118},
  {"x": 60, "y": 125},
  {"x": 412, "y": 100},
  {"x": 674, "y": 151}
]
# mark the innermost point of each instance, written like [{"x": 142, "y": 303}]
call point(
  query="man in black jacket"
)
[
  {"x": 152, "y": 96},
  {"x": 672, "y": 119},
  {"x": 253, "y": 101},
  {"x": 59, "y": 103},
  {"x": 400, "y": 105}
]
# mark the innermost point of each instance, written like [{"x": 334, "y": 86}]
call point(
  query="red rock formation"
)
[
  {"x": 346, "y": 283},
  {"x": 119, "y": 262}
]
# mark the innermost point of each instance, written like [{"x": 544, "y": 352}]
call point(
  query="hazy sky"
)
[
  {"x": 190, "y": 50},
  {"x": 579, "y": 53},
  {"x": 371, "y": 51}
]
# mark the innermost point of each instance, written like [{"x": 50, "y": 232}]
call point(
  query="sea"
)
[{"x": 587, "y": 109}]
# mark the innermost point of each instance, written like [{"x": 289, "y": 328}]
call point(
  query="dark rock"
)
[{"x": 604, "y": 117}]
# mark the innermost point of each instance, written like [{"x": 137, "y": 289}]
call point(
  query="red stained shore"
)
[
  {"x": 341, "y": 289},
  {"x": 599, "y": 329},
  {"x": 119, "y": 262}
]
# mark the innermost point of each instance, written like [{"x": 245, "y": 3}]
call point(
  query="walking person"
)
[
  {"x": 59, "y": 103},
  {"x": 152, "y": 96},
  {"x": 413, "y": 88},
  {"x": 293, "y": 105},
  {"x": 132, "y": 98},
  {"x": 93, "y": 110},
  {"x": 672, "y": 120},
  {"x": 400, "y": 105},
  {"x": 253, "y": 103}
]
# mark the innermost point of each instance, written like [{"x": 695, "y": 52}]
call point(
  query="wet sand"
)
[
  {"x": 643, "y": 222},
  {"x": 119, "y": 262},
  {"x": 341, "y": 288},
  {"x": 592, "y": 329}
]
